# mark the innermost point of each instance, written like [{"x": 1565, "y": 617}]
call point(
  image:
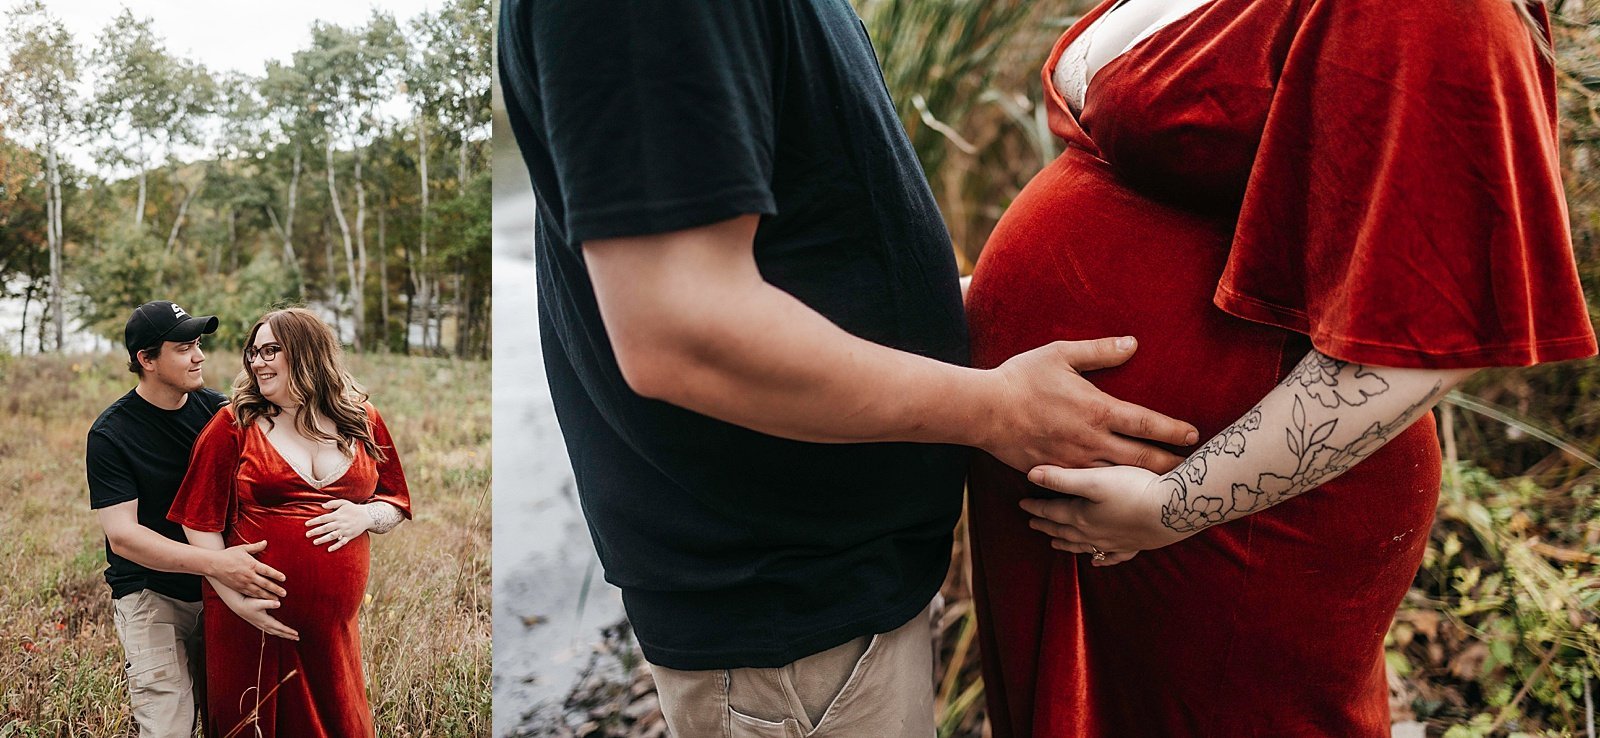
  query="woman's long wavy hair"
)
[
  {"x": 317, "y": 378},
  {"x": 1536, "y": 27}
]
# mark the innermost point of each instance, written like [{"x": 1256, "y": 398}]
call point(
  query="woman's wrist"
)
[
  {"x": 382, "y": 516},
  {"x": 1325, "y": 417},
  {"x": 229, "y": 596}
]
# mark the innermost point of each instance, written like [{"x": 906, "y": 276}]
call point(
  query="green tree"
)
[
  {"x": 41, "y": 71},
  {"x": 455, "y": 46},
  {"x": 237, "y": 190},
  {"x": 124, "y": 272},
  {"x": 449, "y": 81},
  {"x": 347, "y": 74},
  {"x": 285, "y": 93},
  {"x": 22, "y": 227},
  {"x": 147, "y": 102},
  {"x": 464, "y": 225}
]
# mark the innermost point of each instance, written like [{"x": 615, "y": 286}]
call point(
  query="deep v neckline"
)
[
  {"x": 313, "y": 482},
  {"x": 1089, "y": 21}
]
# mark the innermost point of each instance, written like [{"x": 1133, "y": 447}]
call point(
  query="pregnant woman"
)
[
  {"x": 1316, "y": 216},
  {"x": 301, "y": 461}
]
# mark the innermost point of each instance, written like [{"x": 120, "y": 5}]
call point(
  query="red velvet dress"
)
[
  {"x": 240, "y": 486},
  {"x": 1375, "y": 179}
]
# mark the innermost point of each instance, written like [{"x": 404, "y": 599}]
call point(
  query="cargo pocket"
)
[
  {"x": 152, "y": 667},
  {"x": 159, "y": 687},
  {"x": 741, "y": 725}
]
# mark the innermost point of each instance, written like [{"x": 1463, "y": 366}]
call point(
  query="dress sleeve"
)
[
  {"x": 391, "y": 477},
  {"x": 1405, "y": 207},
  {"x": 206, "y": 495}
]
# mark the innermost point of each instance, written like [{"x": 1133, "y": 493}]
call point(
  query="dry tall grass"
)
[{"x": 426, "y": 628}]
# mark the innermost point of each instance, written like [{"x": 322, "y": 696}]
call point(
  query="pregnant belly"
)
[
  {"x": 1078, "y": 256},
  {"x": 323, "y": 587}
]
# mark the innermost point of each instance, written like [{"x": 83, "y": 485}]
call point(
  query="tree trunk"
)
[
  {"x": 290, "y": 259},
  {"x": 410, "y": 286},
  {"x": 462, "y": 318},
  {"x": 27, "y": 301},
  {"x": 233, "y": 238},
  {"x": 461, "y": 169},
  {"x": 183, "y": 211},
  {"x": 424, "y": 293},
  {"x": 53, "y": 194},
  {"x": 349, "y": 244},
  {"x": 138, "y": 211},
  {"x": 359, "y": 289},
  {"x": 438, "y": 314},
  {"x": 383, "y": 277}
]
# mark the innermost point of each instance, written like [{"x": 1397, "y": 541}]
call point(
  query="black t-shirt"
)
[
  {"x": 734, "y": 548},
  {"x": 138, "y": 451}
]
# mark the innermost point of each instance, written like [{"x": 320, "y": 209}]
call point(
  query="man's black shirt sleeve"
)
[
  {"x": 214, "y": 400},
  {"x": 660, "y": 115},
  {"x": 111, "y": 479}
]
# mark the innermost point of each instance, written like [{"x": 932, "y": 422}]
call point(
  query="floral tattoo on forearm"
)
[
  {"x": 1321, "y": 386},
  {"x": 385, "y": 517}
]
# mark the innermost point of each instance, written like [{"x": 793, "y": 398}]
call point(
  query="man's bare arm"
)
[
  {"x": 693, "y": 323},
  {"x": 252, "y": 610},
  {"x": 145, "y": 547}
]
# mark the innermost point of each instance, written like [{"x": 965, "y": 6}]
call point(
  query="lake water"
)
[
  {"x": 12, "y": 341},
  {"x": 550, "y": 598}
]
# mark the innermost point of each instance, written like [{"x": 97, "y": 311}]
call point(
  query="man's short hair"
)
[{"x": 152, "y": 352}]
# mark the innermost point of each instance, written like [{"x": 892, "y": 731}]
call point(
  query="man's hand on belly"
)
[
  {"x": 1046, "y": 413},
  {"x": 237, "y": 567}
]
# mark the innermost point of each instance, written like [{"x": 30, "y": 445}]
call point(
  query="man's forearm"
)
[
  {"x": 1325, "y": 417},
  {"x": 208, "y": 541},
  {"x": 761, "y": 359},
  {"x": 152, "y": 550},
  {"x": 693, "y": 322}
]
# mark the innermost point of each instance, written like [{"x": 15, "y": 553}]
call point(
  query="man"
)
[
  {"x": 755, "y": 341},
  {"x": 138, "y": 450}
]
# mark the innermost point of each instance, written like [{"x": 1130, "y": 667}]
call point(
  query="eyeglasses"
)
[{"x": 267, "y": 352}]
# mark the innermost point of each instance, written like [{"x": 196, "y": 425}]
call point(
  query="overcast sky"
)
[
  {"x": 227, "y": 34},
  {"x": 221, "y": 34}
]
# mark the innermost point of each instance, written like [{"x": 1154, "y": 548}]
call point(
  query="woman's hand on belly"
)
[
  {"x": 255, "y": 612},
  {"x": 1115, "y": 511},
  {"x": 344, "y": 521}
]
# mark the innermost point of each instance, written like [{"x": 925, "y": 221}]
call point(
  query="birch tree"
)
[
  {"x": 147, "y": 102},
  {"x": 347, "y": 74},
  {"x": 40, "y": 98},
  {"x": 286, "y": 94}
]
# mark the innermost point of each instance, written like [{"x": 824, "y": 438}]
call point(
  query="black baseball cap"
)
[{"x": 154, "y": 322}]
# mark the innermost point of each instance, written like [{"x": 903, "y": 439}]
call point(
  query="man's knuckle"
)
[
  {"x": 1104, "y": 414},
  {"x": 1147, "y": 425}
]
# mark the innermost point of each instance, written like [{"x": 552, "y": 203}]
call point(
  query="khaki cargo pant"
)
[
  {"x": 161, "y": 638},
  {"x": 879, "y": 686}
]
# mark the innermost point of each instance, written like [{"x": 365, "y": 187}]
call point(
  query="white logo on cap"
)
[{"x": 178, "y": 311}]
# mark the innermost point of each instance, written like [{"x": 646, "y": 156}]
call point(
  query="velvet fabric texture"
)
[
  {"x": 240, "y": 486},
  {"x": 1378, "y": 180}
]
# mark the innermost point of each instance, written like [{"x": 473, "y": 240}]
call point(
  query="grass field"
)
[{"x": 426, "y": 627}]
